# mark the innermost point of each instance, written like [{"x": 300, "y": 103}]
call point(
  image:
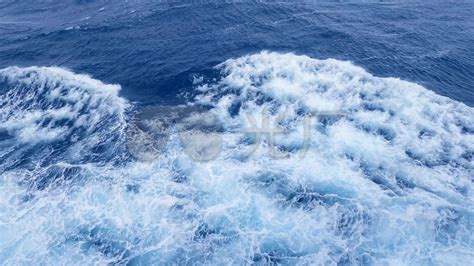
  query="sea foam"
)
[{"x": 367, "y": 170}]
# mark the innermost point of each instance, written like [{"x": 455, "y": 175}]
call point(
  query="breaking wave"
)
[
  {"x": 305, "y": 161},
  {"x": 52, "y": 121}
]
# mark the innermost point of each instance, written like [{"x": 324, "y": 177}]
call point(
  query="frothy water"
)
[
  {"x": 54, "y": 121},
  {"x": 389, "y": 181}
]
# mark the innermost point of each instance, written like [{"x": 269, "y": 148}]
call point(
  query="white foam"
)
[
  {"x": 388, "y": 183},
  {"x": 35, "y": 98}
]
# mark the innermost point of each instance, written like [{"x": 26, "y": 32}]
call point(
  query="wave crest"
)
[
  {"x": 387, "y": 182},
  {"x": 49, "y": 115}
]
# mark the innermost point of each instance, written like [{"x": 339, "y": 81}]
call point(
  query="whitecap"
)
[{"x": 386, "y": 180}]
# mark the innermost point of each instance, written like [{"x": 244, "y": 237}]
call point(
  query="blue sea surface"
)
[
  {"x": 152, "y": 49},
  {"x": 127, "y": 132}
]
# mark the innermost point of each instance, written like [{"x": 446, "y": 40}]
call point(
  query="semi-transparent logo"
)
[{"x": 199, "y": 133}]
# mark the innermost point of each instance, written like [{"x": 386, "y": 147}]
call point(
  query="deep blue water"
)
[
  {"x": 102, "y": 104},
  {"x": 152, "y": 49}
]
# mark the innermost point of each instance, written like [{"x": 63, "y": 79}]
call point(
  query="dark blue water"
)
[
  {"x": 152, "y": 49},
  {"x": 148, "y": 132}
]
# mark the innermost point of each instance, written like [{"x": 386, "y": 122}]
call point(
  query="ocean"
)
[{"x": 236, "y": 132}]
